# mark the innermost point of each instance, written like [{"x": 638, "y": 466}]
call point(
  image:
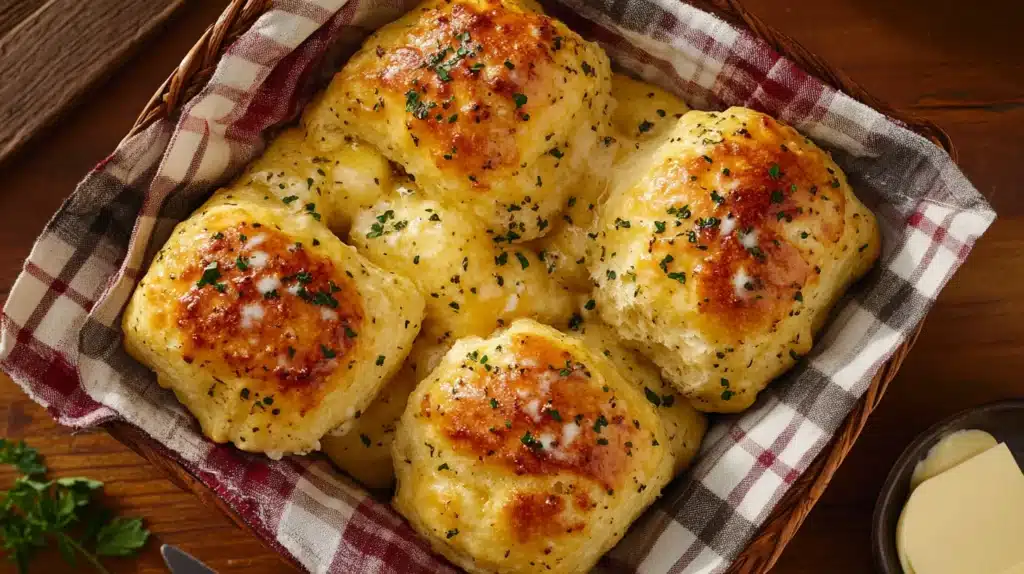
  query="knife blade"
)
[{"x": 180, "y": 562}]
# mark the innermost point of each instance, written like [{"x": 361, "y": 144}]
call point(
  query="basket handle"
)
[{"x": 196, "y": 69}]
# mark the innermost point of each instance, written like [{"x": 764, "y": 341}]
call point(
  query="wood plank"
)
[
  {"x": 58, "y": 50},
  {"x": 14, "y": 11}
]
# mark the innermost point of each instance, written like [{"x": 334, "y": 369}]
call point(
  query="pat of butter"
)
[
  {"x": 967, "y": 519},
  {"x": 953, "y": 449}
]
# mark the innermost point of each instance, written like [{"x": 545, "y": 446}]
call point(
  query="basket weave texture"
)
[{"x": 781, "y": 526}]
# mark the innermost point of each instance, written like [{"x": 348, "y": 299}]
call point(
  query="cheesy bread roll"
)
[
  {"x": 364, "y": 450},
  {"x": 489, "y": 104},
  {"x": 643, "y": 116},
  {"x": 267, "y": 327},
  {"x": 471, "y": 285},
  {"x": 723, "y": 258},
  {"x": 328, "y": 184},
  {"x": 684, "y": 425},
  {"x": 527, "y": 452}
]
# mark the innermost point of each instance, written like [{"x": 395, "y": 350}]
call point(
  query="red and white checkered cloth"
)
[{"x": 61, "y": 339}]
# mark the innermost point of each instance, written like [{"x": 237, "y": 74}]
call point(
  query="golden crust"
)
[
  {"x": 527, "y": 451},
  {"x": 490, "y": 104},
  {"x": 267, "y": 327},
  {"x": 721, "y": 260}
]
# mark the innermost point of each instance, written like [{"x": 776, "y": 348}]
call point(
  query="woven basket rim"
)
[{"x": 786, "y": 518}]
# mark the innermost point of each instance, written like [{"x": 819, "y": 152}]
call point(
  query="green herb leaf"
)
[
  {"x": 703, "y": 223},
  {"x": 21, "y": 456},
  {"x": 33, "y": 512},
  {"x": 652, "y": 397},
  {"x": 522, "y": 260},
  {"x": 530, "y": 442},
  {"x": 210, "y": 275},
  {"x": 121, "y": 537},
  {"x": 575, "y": 321}
]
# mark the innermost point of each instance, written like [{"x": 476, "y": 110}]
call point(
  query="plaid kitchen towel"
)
[{"x": 61, "y": 338}]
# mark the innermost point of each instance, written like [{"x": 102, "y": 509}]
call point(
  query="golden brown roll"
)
[
  {"x": 364, "y": 451},
  {"x": 643, "y": 115},
  {"x": 267, "y": 327},
  {"x": 330, "y": 183},
  {"x": 472, "y": 286},
  {"x": 489, "y": 104},
  {"x": 721, "y": 255},
  {"x": 684, "y": 425},
  {"x": 527, "y": 452}
]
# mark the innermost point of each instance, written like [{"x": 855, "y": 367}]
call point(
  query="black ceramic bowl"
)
[{"x": 1004, "y": 420}]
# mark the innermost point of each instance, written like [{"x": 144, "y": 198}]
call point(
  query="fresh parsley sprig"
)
[{"x": 35, "y": 512}]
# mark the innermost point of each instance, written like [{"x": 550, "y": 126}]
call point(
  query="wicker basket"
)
[{"x": 784, "y": 521}]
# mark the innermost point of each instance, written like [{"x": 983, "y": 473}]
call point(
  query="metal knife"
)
[{"x": 180, "y": 562}]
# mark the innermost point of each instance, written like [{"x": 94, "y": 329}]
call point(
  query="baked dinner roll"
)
[
  {"x": 684, "y": 425},
  {"x": 328, "y": 183},
  {"x": 527, "y": 452},
  {"x": 488, "y": 103},
  {"x": 364, "y": 451},
  {"x": 722, "y": 254},
  {"x": 471, "y": 285},
  {"x": 266, "y": 326},
  {"x": 643, "y": 115}
]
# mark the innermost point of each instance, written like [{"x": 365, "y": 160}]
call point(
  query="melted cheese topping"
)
[
  {"x": 519, "y": 414},
  {"x": 293, "y": 336}
]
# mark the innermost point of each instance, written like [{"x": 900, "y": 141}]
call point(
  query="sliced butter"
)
[
  {"x": 967, "y": 519},
  {"x": 951, "y": 451}
]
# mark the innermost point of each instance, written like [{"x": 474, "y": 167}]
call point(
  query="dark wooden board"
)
[{"x": 52, "y": 51}]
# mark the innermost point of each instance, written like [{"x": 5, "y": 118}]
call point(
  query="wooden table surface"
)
[{"x": 960, "y": 64}]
